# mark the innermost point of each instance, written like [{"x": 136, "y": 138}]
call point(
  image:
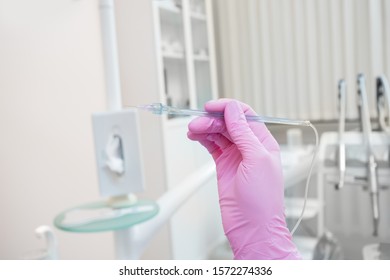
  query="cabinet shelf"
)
[
  {"x": 170, "y": 15},
  {"x": 173, "y": 55},
  {"x": 203, "y": 58},
  {"x": 198, "y": 16},
  {"x": 170, "y": 7}
]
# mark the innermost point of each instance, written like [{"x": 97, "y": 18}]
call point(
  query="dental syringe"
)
[{"x": 159, "y": 109}]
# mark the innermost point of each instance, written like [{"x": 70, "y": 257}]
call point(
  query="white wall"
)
[{"x": 51, "y": 80}]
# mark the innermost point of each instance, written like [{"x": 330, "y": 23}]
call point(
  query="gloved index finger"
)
[
  {"x": 240, "y": 132},
  {"x": 259, "y": 129},
  {"x": 203, "y": 125},
  {"x": 220, "y": 105}
]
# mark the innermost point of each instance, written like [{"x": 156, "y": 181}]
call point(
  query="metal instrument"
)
[{"x": 372, "y": 166}]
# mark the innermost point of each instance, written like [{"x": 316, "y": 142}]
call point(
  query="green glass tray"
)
[{"x": 150, "y": 209}]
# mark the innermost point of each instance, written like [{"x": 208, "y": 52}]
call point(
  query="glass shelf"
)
[
  {"x": 170, "y": 7},
  {"x": 99, "y": 216},
  {"x": 173, "y": 55},
  {"x": 198, "y": 16},
  {"x": 203, "y": 58},
  {"x": 171, "y": 15}
]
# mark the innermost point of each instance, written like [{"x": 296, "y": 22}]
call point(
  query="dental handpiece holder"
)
[
  {"x": 342, "y": 88},
  {"x": 357, "y": 171},
  {"x": 372, "y": 178},
  {"x": 358, "y": 152},
  {"x": 383, "y": 103}
]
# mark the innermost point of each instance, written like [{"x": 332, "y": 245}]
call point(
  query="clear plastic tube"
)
[{"x": 159, "y": 109}]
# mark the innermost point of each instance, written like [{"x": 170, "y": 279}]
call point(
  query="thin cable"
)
[{"x": 315, "y": 153}]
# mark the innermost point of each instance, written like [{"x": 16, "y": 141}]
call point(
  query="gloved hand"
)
[{"x": 250, "y": 181}]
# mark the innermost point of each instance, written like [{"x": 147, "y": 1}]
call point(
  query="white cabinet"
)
[
  {"x": 186, "y": 76},
  {"x": 166, "y": 54},
  {"x": 187, "y": 79},
  {"x": 185, "y": 52}
]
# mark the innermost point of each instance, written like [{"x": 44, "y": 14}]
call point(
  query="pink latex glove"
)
[{"x": 250, "y": 181}]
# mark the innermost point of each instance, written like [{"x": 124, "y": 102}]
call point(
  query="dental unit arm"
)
[
  {"x": 341, "y": 152},
  {"x": 383, "y": 103},
  {"x": 372, "y": 165}
]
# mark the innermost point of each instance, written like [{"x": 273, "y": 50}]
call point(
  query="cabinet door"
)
[
  {"x": 202, "y": 46},
  {"x": 172, "y": 50}
]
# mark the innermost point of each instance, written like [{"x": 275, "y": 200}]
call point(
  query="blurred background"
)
[{"x": 284, "y": 58}]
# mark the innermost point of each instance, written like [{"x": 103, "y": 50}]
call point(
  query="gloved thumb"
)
[{"x": 240, "y": 132}]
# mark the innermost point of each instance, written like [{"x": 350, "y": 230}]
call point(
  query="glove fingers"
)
[
  {"x": 220, "y": 140},
  {"x": 211, "y": 147},
  {"x": 240, "y": 132},
  {"x": 259, "y": 129},
  {"x": 220, "y": 104},
  {"x": 207, "y": 125}
]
